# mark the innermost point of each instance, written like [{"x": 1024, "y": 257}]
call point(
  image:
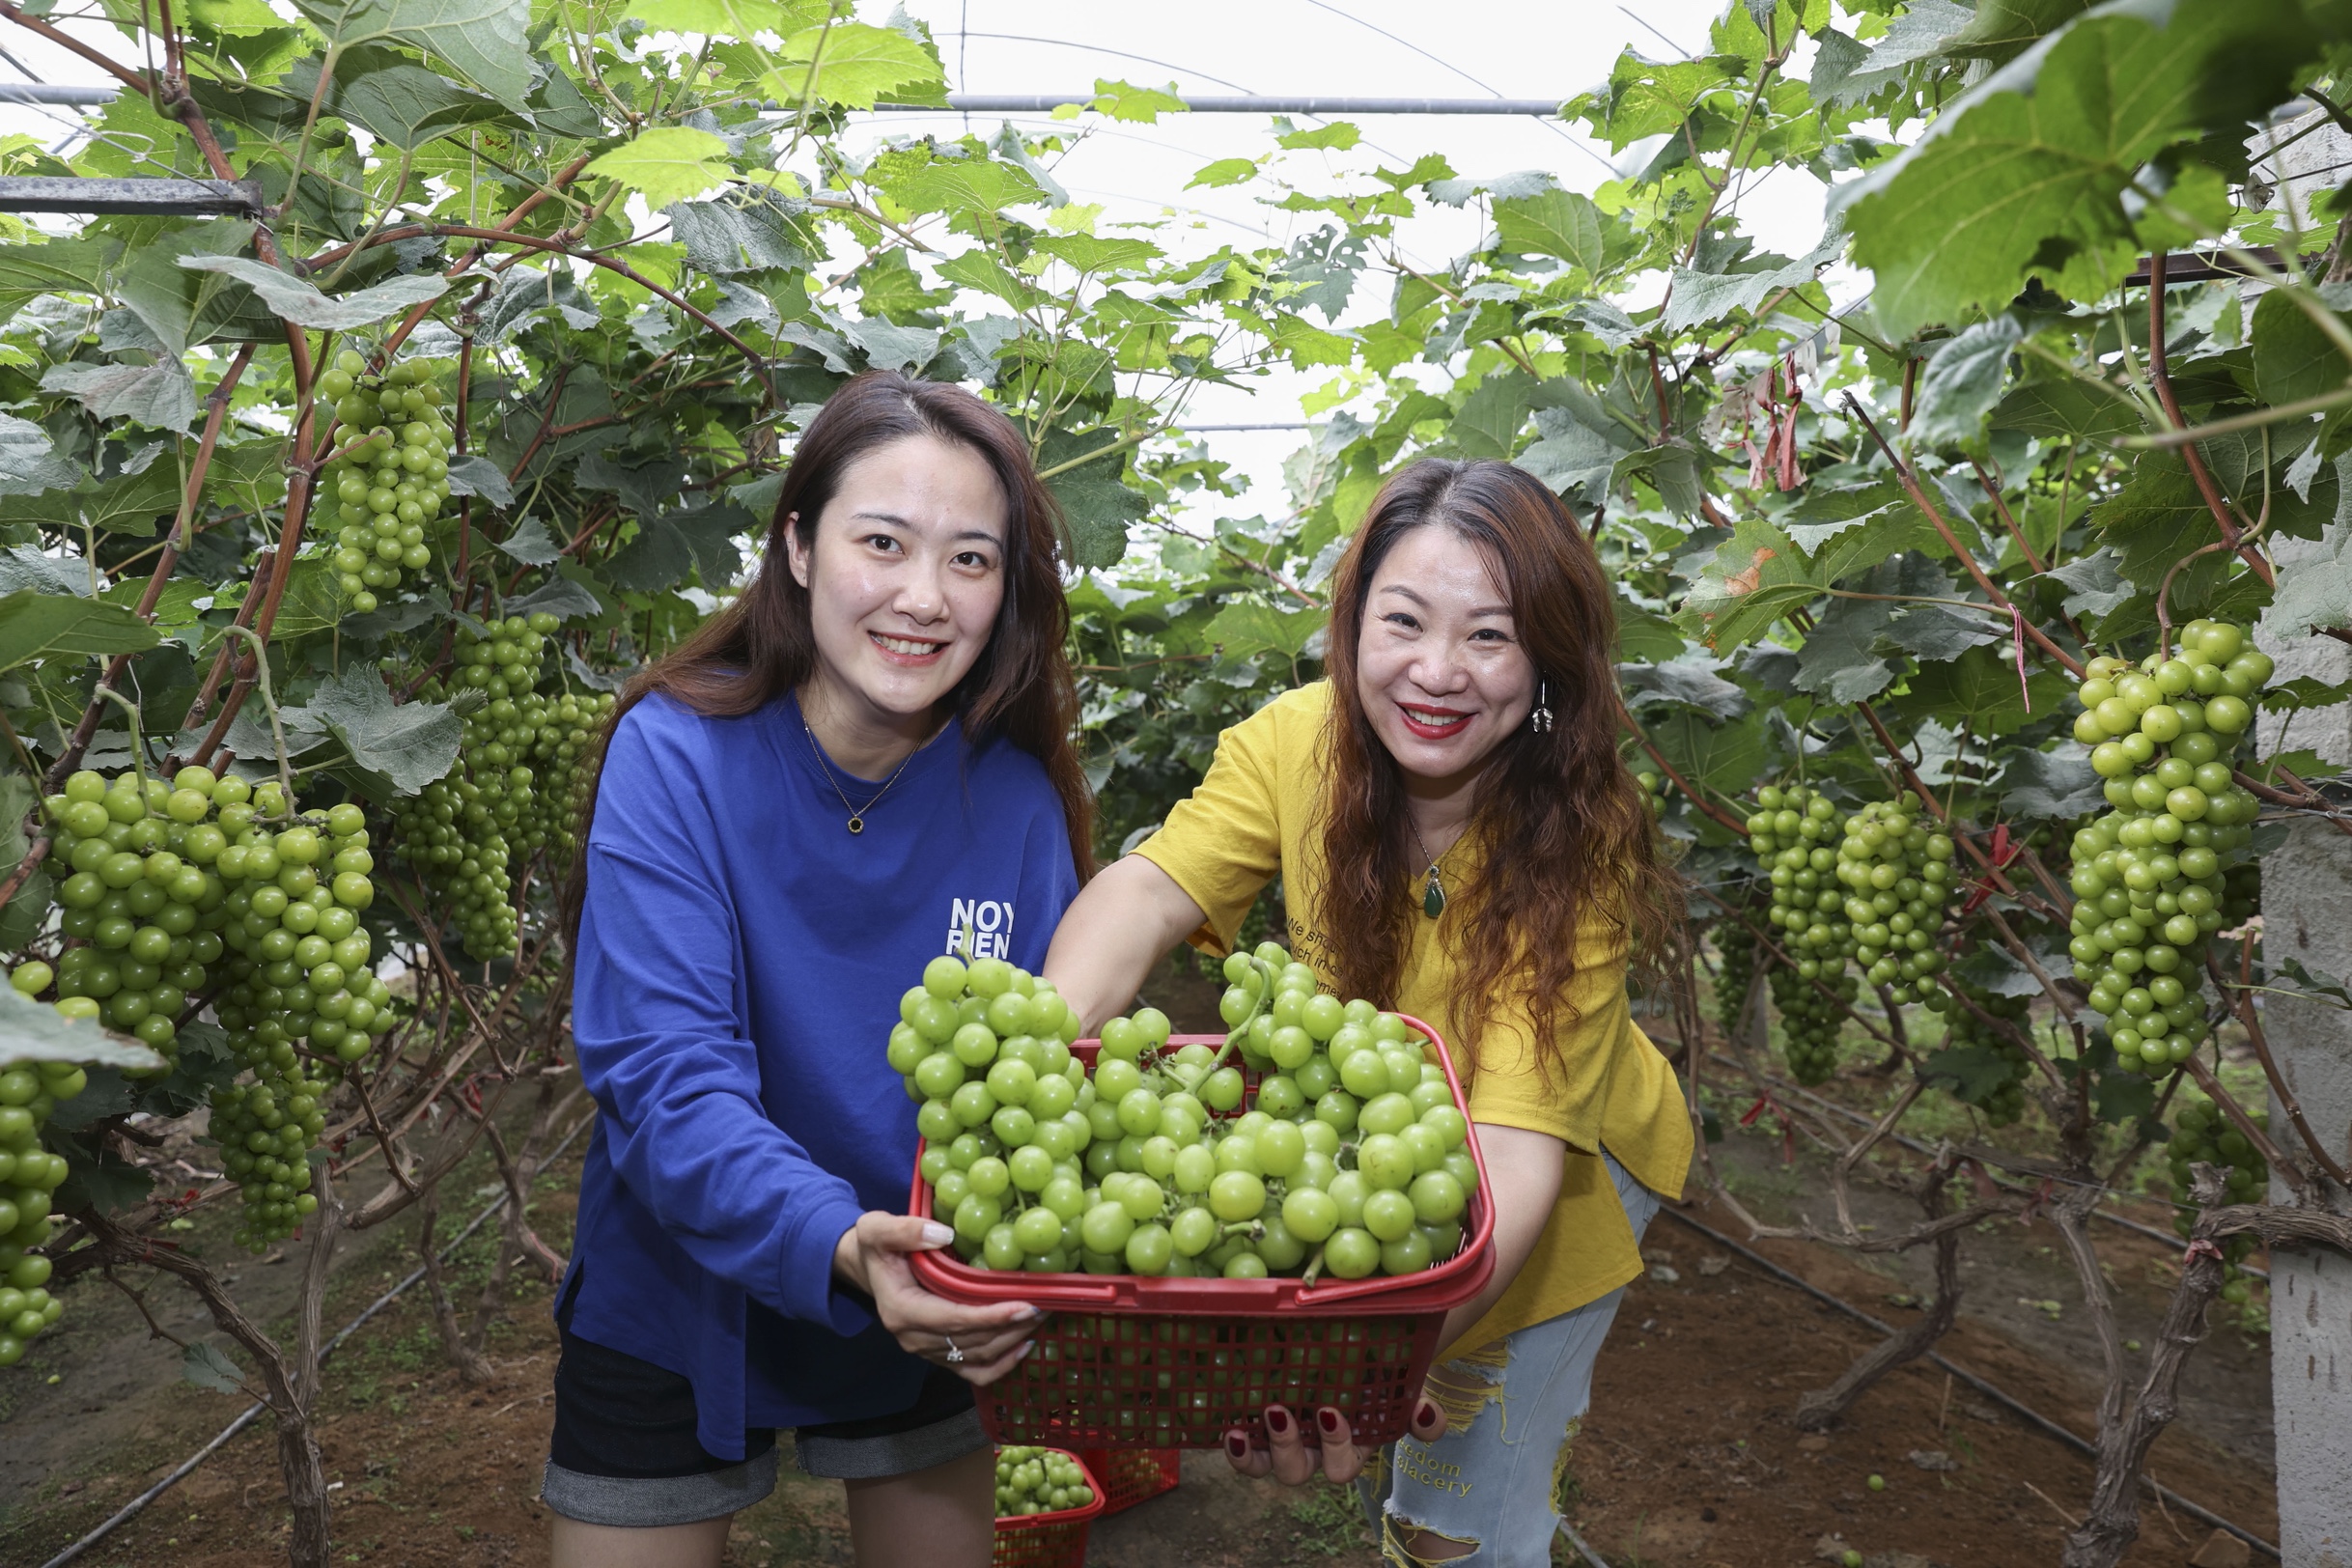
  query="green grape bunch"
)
[
  {"x": 565, "y": 726},
  {"x": 461, "y": 834},
  {"x": 1039, "y": 1481},
  {"x": 1351, "y": 1160},
  {"x": 2163, "y": 870},
  {"x": 2006, "y": 1101},
  {"x": 1739, "y": 950},
  {"x": 145, "y": 906},
  {"x": 299, "y": 975},
  {"x": 1811, "y": 1022},
  {"x": 1793, "y": 833},
  {"x": 2203, "y": 1133},
  {"x": 1898, "y": 874},
  {"x": 383, "y": 494},
  {"x": 28, "y": 1091}
]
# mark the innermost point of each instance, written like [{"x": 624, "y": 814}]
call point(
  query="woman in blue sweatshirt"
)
[{"x": 863, "y": 762}]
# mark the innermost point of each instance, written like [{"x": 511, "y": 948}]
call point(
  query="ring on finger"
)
[{"x": 955, "y": 1356}]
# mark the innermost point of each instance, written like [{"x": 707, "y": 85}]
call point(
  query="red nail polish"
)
[
  {"x": 1328, "y": 1420},
  {"x": 1237, "y": 1446},
  {"x": 1277, "y": 1420}
]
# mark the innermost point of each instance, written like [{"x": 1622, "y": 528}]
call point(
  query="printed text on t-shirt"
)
[{"x": 988, "y": 923}]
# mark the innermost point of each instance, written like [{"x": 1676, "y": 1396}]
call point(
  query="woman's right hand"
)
[{"x": 872, "y": 1256}]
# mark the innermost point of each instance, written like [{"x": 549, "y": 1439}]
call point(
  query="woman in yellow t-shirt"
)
[{"x": 1458, "y": 839}]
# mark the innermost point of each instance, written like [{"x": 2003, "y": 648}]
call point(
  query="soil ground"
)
[{"x": 1689, "y": 1455}]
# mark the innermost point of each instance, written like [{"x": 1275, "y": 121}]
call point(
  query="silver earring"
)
[{"x": 1540, "y": 720}]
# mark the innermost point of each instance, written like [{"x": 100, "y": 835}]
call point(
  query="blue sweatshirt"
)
[{"x": 741, "y": 960}]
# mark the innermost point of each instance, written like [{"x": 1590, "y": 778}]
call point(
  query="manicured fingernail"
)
[
  {"x": 1027, "y": 1345},
  {"x": 1328, "y": 1418},
  {"x": 1237, "y": 1446},
  {"x": 1027, "y": 1314},
  {"x": 935, "y": 1234},
  {"x": 1277, "y": 1420}
]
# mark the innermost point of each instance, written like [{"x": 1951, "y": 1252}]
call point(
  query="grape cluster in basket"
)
[
  {"x": 1039, "y": 1481},
  {"x": 1351, "y": 1160}
]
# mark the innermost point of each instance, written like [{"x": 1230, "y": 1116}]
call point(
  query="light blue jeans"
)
[{"x": 1513, "y": 1410}]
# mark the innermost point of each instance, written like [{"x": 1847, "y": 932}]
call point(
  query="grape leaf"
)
[
  {"x": 1963, "y": 382},
  {"x": 561, "y": 596},
  {"x": 397, "y": 748},
  {"x": 1487, "y": 423},
  {"x": 727, "y": 18},
  {"x": 671, "y": 544},
  {"x": 2053, "y": 784},
  {"x": 2314, "y": 586},
  {"x": 159, "y": 396},
  {"x": 1971, "y": 1073},
  {"x": 472, "y": 475},
  {"x": 2093, "y": 585},
  {"x": 32, "y": 1031},
  {"x": 484, "y": 40},
  {"x": 2026, "y": 173},
  {"x": 1556, "y": 223},
  {"x": 203, "y": 1365},
  {"x": 408, "y": 105},
  {"x": 1099, "y": 508},
  {"x": 1223, "y": 172},
  {"x": 1723, "y": 758},
  {"x": 530, "y": 544},
  {"x": 1242, "y": 628},
  {"x": 852, "y": 64},
  {"x": 1144, "y": 105},
  {"x": 2293, "y": 359},
  {"x": 753, "y": 234},
  {"x": 1979, "y": 691},
  {"x": 1695, "y": 685},
  {"x": 2065, "y": 409},
  {"x": 302, "y": 304},
  {"x": 45, "y": 626},
  {"x": 666, "y": 164},
  {"x": 30, "y": 462}
]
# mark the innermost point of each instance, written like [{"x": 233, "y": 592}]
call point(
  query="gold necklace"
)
[
  {"x": 1433, "y": 896},
  {"x": 858, "y": 814}
]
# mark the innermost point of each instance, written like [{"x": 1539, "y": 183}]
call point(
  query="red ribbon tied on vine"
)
[
  {"x": 2201, "y": 1247},
  {"x": 2004, "y": 852}
]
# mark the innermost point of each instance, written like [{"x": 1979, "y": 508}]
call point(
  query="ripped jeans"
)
[{"x": 1512, "y": 1413}]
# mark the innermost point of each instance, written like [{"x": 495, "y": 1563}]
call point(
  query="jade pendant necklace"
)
[{"x": 1432, "y": 893}]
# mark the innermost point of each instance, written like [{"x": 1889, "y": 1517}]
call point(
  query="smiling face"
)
[
  {"x": 1439, "y": 665},
  {"x": 904, "y": 576}
]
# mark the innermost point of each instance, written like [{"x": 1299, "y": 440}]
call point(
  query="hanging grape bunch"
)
[
  {"x": 1811, "y": 1022},
  {"x": 144, "y": 905},
  {"x": 457, "y": 831},
  {"x": 2006, "y": 1101},
  {"x": 1791, "y": 835},
  {"x": 567, "y": 728},
  {"x": 2203, "y": 1133},
  {"x": 28, "y": 1174},
  {"x": 299, "y": 971},
  {"x": 1653, "y": 790},
  {"x": 2152, "y": 874},
  {"x": 1898, "y": 876},
  {"x": 383, "y": 493},
  {"x": 1039, "y": 1481},
  {"x": 1739, "y": 950},
  {"x": 1351, "y": 1160}
]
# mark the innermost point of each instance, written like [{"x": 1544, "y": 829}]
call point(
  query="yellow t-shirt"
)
[{"x": 1250, "y": 819}]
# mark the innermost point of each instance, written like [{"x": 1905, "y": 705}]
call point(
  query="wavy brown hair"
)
[
  {"x": 762, "y": 646},
  {"x": 1566, "y": 834}
]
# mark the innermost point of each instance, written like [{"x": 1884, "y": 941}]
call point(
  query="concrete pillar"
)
[{"x": 2307, "y": 914}]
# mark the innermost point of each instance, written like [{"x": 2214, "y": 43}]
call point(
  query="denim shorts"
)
[
  {"x": 625, "y": 1452},
  {"x": 1513, "y": 1409}
]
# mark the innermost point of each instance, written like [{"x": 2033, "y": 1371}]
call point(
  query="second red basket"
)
[
  {"x": 1054, "y": 1540},
  {"x": 1127, "y": 1361},
  {"x": 1133, "y": 1475}
]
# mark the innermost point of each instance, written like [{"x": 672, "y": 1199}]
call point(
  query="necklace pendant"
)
[
  {"x": 1433, "y": 900},
  {"x": 858, "y": 825}
]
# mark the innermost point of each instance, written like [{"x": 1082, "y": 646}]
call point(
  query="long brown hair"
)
[
  {"x": 762, "y": 646},
  {"x": 1566, "y": 833}
]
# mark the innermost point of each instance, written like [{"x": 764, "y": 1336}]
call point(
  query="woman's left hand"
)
[{"x": 1287, "y": 1458}]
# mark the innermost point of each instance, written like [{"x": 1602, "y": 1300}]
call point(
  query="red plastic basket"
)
[
  {"x": 1055, "y": 1540},
  {"x": 1133, "y": 1475},
  {"x": 1126, "y": 1362}
]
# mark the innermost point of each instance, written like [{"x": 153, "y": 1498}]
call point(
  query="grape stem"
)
[
  {"x": 2242, "y": 1006},
  {"x": 1314, "y": 1267},
  {"x": 269, "y": 701}
]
